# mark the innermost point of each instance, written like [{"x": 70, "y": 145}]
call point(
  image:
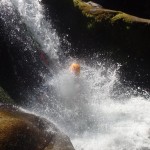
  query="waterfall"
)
[
  {"x": 30, "y": 13},
  {"x": 94, "y": 109}
]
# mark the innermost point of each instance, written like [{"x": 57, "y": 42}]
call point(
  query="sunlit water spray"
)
[
  {"x": 30, "y": 13},
  {"x": 94, "y": 109},
  {"x": 88, "y": 109}
]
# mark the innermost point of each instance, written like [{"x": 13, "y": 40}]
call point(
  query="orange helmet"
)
[{"x": 75, "y": 68}]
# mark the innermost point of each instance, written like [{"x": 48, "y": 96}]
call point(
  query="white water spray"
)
[
  {"x": 101, "y": 121},
  {"x": 93, "y": 117},
  {"x": 31, "y": 13}
]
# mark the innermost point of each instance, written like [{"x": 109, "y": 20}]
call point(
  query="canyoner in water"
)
[
  {"x": 75, "y": 68},
  {"x": 75, "y": 80}
]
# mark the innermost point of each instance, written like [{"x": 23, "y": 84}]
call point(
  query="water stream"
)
[{"x": 94, "y": 109}]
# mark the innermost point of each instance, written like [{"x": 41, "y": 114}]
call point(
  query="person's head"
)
[{"x": 75, "y": 68}]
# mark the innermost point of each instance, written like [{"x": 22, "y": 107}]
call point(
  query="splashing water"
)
[
  {"x": 31, "y": 14},
  {"x": 93, "y": 108},
  {"x": 92, "y": 116},
  {"x": 123, "y": 126}
]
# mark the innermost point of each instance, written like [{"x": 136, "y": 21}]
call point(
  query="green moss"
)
[
  {"x": 83, "y": 7},
  {"x": 99, "y": 14},
  {"x": 123, "y": 17},
  {"x": 93, "y": 15},
  {"x": 4, "y": 98},
  {"x": 77, "y": 2}
]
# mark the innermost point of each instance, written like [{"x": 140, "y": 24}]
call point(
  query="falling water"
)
[
  {"x": 94, "y": 109},
  {"x": 30, "y": 13}
]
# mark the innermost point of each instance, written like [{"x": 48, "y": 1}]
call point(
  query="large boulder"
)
[{"x": 23, "y": 131}]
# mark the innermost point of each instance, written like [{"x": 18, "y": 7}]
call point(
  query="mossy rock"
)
[
  {"x": 118, "y": 29},
  {"x": 4, "y": 97},
  {"x": 99, "y": 14},
  {"x": 23, "y": 131}
]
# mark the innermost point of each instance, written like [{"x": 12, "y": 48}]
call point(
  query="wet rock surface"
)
[{"x": 21, "y": 130}]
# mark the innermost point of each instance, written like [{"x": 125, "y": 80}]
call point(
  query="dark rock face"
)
[{"x": 20, "y": 130}]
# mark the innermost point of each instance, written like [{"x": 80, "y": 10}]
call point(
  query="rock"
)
[
  {"x": 106, "y": 14},
  {"x": 23, "y": 131},
  {"x": 119, "y": 29}
]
